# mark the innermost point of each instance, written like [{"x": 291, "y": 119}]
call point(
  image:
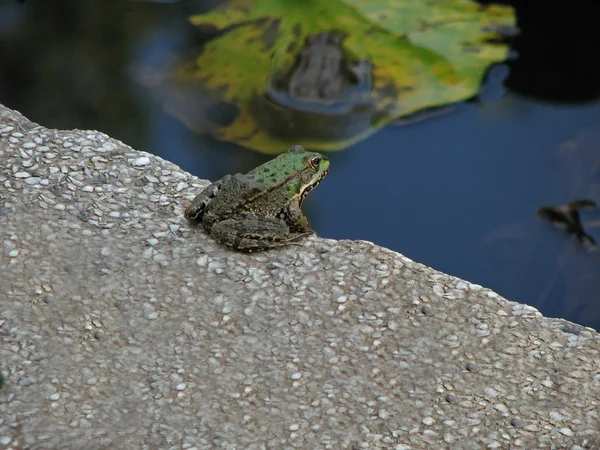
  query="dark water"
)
[{"x": 457, "y": 192}]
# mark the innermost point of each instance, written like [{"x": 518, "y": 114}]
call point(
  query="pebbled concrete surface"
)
[{"x": 121, "y": 326}]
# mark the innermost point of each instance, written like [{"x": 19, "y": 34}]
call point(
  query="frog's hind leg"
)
[
  {"x": 196, "y": 209},
  {"x": 253, "y": 233}
]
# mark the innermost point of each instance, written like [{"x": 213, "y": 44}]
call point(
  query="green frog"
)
[{"x": 261, "y": 209}]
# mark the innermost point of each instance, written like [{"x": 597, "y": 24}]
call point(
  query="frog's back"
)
[{"x": 234, "y": 196}]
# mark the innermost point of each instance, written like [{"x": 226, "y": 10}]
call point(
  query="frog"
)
[
  {"x": 261, "y": 209},
  {"x": 322, "y": 73}
]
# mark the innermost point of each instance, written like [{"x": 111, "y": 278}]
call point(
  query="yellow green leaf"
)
[{"x": 423, "y": 55}]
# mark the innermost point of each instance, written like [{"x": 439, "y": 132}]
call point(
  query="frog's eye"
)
[{"x": 314, "y": 162}]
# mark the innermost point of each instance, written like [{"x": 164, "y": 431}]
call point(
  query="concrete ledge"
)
[{"x": 123, "y": 327}]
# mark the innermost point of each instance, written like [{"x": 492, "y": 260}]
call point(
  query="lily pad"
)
[{"x": 423, "y": 55}]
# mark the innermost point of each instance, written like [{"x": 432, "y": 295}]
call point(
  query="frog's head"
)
[
  {"x": 293, "y": 174},
  {"x": 311, "y": 168}
]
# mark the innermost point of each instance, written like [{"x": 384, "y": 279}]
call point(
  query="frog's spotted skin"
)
[{"x": 261, "y": 209}]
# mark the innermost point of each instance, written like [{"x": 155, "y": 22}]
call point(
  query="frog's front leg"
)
[
  {"x": 196, "y": 209},
  {"x": 253, "y": 232},
  {"x": 295, "y": 219}
]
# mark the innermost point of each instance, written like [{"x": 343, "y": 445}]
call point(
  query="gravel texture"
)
[{"x": 122, "y": 326}]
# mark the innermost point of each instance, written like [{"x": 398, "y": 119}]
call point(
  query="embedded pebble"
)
[
  {"x": 491, "y": 392},
  {"x": 450, "y": 398},
  {"x": 142, "y": 161},
  {"x": 54, "y": 396},
  {"x": 471, "y": 367},
  {"x": 383, "y": 414},
  {"x": 501, "y": 408},
  {"x": 99, "y": 334},
  {"x": 33, "y": 180},
  {"x": 516, "y": 422}
]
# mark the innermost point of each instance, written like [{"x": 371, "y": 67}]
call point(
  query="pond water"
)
[{"x": 456, "y": 192}]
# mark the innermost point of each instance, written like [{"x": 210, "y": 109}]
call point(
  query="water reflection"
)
[{"x": 566, "y": 270}]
